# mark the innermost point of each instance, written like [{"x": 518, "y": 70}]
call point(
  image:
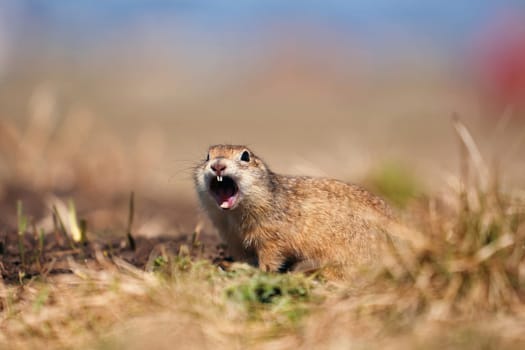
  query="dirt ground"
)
[{"x": 51, "y": 256}]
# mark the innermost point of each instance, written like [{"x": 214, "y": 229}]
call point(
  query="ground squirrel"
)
[{"x": 281, "y": 222}]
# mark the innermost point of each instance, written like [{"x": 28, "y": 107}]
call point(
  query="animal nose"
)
[{"x": 218, "y": 168}]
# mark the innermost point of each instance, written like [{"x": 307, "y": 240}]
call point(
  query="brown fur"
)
[{"x": 281, "y": 220}]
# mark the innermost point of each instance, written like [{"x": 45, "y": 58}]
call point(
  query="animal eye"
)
[
  {"x": 245, "y": 156},
  {"x": 208, "y": 157}
]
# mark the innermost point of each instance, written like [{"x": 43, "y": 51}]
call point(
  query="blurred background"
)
[{"x": 101, "y": 98}]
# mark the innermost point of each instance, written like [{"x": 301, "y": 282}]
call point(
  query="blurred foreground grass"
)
[{"x": 186, "y": 303}]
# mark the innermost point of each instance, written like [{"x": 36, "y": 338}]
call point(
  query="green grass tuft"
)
[
  {"x": 285, "y": 294},
  {"x": 394, "y": 182}
]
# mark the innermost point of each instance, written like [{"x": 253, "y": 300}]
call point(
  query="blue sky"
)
[
  {"x": 442, "y": 19},
  {"x": 218, "y": 26}
]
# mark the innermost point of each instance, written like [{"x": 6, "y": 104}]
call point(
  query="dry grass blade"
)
[
  {"x": 61, "y": 227},
  {"x": 131, "y": 214},
  {"x": 74, "y": 227},
  {"x": 505, "y": 241},
  {"x": 22, "y": 226},
  {"x": 473, "y": 151}
]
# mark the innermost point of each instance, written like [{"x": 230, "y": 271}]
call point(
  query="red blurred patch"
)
[{"x": 502, "y": 60}]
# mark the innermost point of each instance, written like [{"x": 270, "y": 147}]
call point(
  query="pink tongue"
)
[{"x": 225, "y": 197}]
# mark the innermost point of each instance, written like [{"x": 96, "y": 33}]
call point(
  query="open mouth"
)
[{"x": 225, "y": 191}]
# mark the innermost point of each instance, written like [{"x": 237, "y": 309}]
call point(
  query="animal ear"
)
[{"x": 245, "y": 156}]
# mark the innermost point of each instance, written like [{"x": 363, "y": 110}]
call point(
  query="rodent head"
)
[{"x": 230, "y": 176}]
